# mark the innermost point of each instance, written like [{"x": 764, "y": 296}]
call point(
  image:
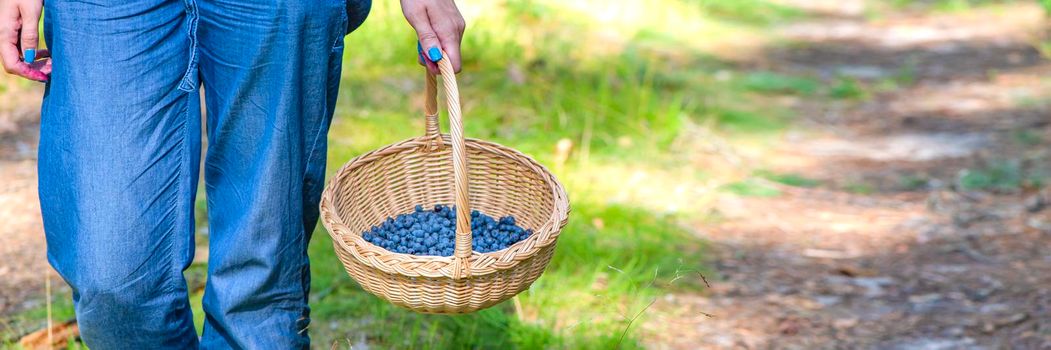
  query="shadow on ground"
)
[{"x": 923, "y": 223}]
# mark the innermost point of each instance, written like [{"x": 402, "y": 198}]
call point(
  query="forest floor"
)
[
  {"x": 916, "y": 213},
  {"x": 22, "y": 233},
  {"x": 928, "y": 229}
]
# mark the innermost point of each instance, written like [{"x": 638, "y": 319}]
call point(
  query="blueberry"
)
[{"x": 432, "y": 232}]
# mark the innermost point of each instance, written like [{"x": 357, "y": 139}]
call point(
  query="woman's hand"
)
[
  {"x": 19, "y": 20},
  {"x": 438, "y": 24}
]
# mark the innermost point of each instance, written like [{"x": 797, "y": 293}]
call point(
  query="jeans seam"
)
[
  {"x": 177, "y": 248},
  {"x": 342, "y": 29},
  {"x": 320, "y": 129},
  {"x": 304, "y": 242},
  {"x": 187, "y": 83}
]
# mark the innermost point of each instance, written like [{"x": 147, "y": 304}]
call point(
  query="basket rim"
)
[{"x": 478, "y": 264}]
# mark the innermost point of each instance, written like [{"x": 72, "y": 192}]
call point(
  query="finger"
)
[
  {"x": 428, "y": 40},
  {"x": 452, "y": 52},
  {"x": 14, "y": 65},
  {"x": 8, "y": 41},
  {"x": 30, "y": 36},
  {"x": 450, "y": 29},
  {"x": 432, "y": 66},
  {"x": 43, "y": 53},
  {"x": 423, "y": 61},
  {"x": 42, "y": 65},
  {"x": 10, "y": 58}
]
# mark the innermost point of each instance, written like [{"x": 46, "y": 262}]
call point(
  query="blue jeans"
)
[{"x": 120, "y": 154}]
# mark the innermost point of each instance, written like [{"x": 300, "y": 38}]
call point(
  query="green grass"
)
[
  {"x": 913, "y": 182},
  {"x": 840, "y": 88},
  {"x": 952, "y": 5},
  {"x": 752, "y": 188},
  {"x": 1003, "y": 176},
  {"x": 903, "y": 77},
  {"x": 1000, "y": 176},
  {"x": 750, "y": 11},
  {"x": 1027, "y": 137},
  {"x": 35, "y": 318},
  {"x": 848, "y": 89},
  {"x": 743, "y": 121},
  {"x": 790, "y": 179},
  {"x": 1044, "y": 47},
  {"x": 859, "y": 188},
  {"x": 769, "y": 82}
]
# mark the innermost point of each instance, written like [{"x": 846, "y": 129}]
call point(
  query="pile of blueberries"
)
[{"x": 433, "y": 232}]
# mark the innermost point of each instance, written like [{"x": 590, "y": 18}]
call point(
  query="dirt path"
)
[
  {"x": 21, "y": 234},
  {"x": 892, "y": 250}
]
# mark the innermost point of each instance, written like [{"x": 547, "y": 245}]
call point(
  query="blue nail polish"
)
[
  {"x": 419, "y": 48},
  {"x": 434, "y": 54},
  {"x": 29, "y": 55}
]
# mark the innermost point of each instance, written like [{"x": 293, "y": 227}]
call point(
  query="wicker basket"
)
[{"x": 433, "y": 169}]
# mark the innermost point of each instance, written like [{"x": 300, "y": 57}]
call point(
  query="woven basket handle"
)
[{"x": 452, "y": 98}]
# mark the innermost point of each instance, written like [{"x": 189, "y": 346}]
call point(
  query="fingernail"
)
[
  {"x": 434, "y": 54},
  {"x": 29, "y": 55},
  {"x": 419, "y": 48}
]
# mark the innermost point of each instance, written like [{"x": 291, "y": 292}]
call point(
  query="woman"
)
[{"x": 120, "y": 153}]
